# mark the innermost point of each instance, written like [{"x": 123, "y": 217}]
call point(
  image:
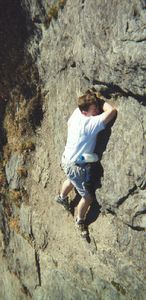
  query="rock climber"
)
[{"x": 88, "y": 119}]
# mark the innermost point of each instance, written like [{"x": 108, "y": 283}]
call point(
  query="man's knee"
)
[{"x": 88, "y": 199}]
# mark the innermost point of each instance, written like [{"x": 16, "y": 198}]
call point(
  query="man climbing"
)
[{"x": 85, "y": 123}]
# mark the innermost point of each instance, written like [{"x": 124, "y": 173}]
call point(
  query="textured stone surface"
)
[
  {"x": 11, "y": 288},
  {"x": 90, "y": 43},
  {"x": 25, "y": 219},
  {"x": 22, "y": 262},
  {"x": 124, "y": 158},
  {"x": 15, "y": 162}
]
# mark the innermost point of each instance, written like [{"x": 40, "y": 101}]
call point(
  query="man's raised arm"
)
[{"x": 109, "y": 112}]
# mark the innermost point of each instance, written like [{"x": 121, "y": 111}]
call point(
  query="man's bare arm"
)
[{"x": 109, "y": 112}]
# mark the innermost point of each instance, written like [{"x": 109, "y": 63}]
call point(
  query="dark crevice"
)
[
  {"x": 119, "y": 287},
  {"x": 140, "y": 212},
  {"x": 37, "y": 260},
  {"x": 133, "y": 41},
  {"x": 127, "y": 26},
  {"x": 111, "y": 210},
  {"x": 3, "y": 137},
  {"x": 26, "y": 291},
  {"x": 121, "y": 200},
  {"x": 68, "y": 64},
  {"x": 83, "y": 4},
  {"x": 36, "y": 112},
  {"x": 31, "y": 235},
  {"x": 112, "y": 88},
  {"x": 141, "y": 40},
  {"x": 37, "y": 116},
  {"x": 136, "y": 228},
  {"x": 86, "y": 78},
  {"x": 142, "y": 186},
  {"x": 73, "y": 65},
  {"x": 63, "y": 68},
  {"x": 5, "y": 230}
]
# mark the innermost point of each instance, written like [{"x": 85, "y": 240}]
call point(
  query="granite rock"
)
[{"x": 83, "y": 44}]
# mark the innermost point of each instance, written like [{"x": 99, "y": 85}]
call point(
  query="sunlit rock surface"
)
[{"x": 50, "y": 53}]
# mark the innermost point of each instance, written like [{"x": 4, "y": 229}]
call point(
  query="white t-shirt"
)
[{"x": 82, "y": 133}]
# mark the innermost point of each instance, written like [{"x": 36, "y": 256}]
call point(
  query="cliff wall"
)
[{"x": 50, "y": 53}]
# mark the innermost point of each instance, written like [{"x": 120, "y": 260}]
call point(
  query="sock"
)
[
  {"x": 63, "y": 197},
  {"x": 79, "y": 219}
]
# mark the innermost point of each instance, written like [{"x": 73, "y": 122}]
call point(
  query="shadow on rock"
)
[
  {"x": 93, "y": 212},
  {"x": 97, "y": 171},
  {"x": 103, "y": 139},
  {"x": 74, "y": 203},
  {"x": 111, "y": 89}
]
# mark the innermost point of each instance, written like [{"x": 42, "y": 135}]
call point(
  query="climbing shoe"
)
[
  {"x": 64, "y": 202},
  {"x": 82, "y": 229}
]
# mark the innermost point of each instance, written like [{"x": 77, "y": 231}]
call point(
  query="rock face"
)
[{"x": 61, "y": 50}]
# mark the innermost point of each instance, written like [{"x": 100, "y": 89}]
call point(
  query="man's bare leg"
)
[
  {"x": 66, "y": 188},
  {"x": 62, "y": 198},
  {"x": 83, "y": 206}
]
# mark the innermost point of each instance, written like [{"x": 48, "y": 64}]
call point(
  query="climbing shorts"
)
[{"x": 79, "y": 175}]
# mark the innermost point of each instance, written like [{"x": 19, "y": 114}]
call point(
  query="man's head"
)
[{"x": 89, "y": 103}]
